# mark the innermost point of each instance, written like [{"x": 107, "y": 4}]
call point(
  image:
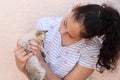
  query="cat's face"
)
[{"x": 40, "y": 34}]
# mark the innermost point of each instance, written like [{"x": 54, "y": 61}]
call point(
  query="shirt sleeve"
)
[
  {"x": 89, "y": 57},
  {"x": 47, "y": 23},
  {"x": 43, "y": 24}
]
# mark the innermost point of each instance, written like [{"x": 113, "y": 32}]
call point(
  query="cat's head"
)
[{"x": 40, "y": 35}]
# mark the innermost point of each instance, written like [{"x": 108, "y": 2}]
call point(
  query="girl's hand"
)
[
  {"x": 21, "y": 57},
  {"x": 76, "y": 6},
  {"x": 34, "y": 48}
]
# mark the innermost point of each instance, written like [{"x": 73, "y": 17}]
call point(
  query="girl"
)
[{"x": 85, "y": 39}]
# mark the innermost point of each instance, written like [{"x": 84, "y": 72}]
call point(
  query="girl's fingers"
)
[
  {"x": 76, "y": 6},
  {"x": 18, "y": 51},
  {"x": 33, "y": 42},
  {"x": 22, "y": 55},
  {"x": 18, "y": 40},
  {"x": 34, "y": 47},
  {"x": 34, "y": 51},
  {"x": 26, "y": 57}
]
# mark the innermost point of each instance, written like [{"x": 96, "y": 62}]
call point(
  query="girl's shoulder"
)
[{"x": 95, "y": 41}]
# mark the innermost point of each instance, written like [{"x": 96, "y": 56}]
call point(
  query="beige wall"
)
[{"x": 19, "y": 16}]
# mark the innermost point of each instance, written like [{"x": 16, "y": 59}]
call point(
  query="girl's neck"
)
[{"x": 66, "y": 40}]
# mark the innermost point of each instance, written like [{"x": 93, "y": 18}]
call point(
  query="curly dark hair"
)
[{"x": 102, "y": 21}]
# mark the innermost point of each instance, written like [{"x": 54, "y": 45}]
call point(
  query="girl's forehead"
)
[{"x": 70, "y": 17}]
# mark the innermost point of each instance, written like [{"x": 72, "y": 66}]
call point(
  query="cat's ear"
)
[{"x": 45, "y": 31}]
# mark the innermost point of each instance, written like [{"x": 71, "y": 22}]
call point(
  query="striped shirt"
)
[{"x": 61, "y": 60}]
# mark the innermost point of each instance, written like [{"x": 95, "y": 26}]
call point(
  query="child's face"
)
[{"x": 71, "y": 27}]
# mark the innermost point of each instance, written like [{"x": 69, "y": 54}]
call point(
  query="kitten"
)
[{"x": 33, "y": 67}]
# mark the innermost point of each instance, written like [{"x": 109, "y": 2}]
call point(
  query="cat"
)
[{"x": 33, "y": 67}]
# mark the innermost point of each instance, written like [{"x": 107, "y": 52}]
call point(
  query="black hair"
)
[{"x": 98, "y": 21}]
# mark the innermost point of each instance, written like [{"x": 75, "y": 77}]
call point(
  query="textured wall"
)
[{"x": 19, "y": 16}]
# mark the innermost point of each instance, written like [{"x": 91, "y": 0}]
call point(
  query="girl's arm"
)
[{"x": 78, "y": 73}]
